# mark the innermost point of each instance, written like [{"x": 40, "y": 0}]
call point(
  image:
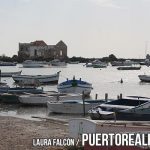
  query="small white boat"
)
[
  {"x": 33, "y": 64},
  {"x": 75, "y": 86},
  {"x": 42, "y": 99},
  {"x": 144, "y": 78},
  {"x": 9, "y": 74},
  {"x": 72, "y": 106},
  {"x": 129, "y": 68},
  {"x": 41, "y": 79},
  {"x": 97, "y": 64},
  {"x": 57, "y": 62}
]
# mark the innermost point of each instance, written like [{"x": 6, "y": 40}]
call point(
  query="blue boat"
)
[{"x": 75, "y": 86}]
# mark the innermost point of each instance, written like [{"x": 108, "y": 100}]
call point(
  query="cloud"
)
[{"x": 106, "y": 3}]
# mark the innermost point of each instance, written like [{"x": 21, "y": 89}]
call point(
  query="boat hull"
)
[
  {"x": 9, "y": 74},
  {"x": 66, "y": 108},
  {"x": 9, "y": 98},
  {"x": 144, "y": 78},
  {"x": 77, "y": 89},
  {"x": 129, "y": 68},
  {"x": 42, "y": 79},
  {"x": 43, "y": 99}
]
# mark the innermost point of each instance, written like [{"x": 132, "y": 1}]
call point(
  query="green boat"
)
[{"x": 9, "y": 98}]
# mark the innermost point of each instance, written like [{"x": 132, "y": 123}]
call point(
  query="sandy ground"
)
[{"x": 17, "y": 134}]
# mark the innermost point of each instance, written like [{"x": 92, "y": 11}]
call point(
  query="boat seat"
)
[{"x": 116, "y": 106}]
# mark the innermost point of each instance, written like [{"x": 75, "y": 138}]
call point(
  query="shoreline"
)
[{"x": 17, "y": 133}]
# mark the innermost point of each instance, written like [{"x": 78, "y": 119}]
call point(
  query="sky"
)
[{"x": 90, "y": 28}]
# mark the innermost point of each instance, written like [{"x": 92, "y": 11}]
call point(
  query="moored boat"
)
[
  {"x": 33, "y": 64},
  {"x": 41, "y": 79},
  {"x": 9, "y": 98},
  {"x": 75, "y": 86},
  {"x": 57, "y": 62},
  {"x": 129, "y": 68},
  {"x": 42, "y": 99},
  {"x": 123, "y": 109},
  {"x": 2, "y": 63},
  {"x": 72, "y": 106},
  {"x": 19, "y": 90},
  {"x": 9, "y": 74},
  {"x": 144, "y": 78}
]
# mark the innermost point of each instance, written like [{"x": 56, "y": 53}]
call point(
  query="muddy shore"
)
[{"x": 18, "y": 134}]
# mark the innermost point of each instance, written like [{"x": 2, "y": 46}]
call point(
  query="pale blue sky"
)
[{"x": 90, "y": 28}]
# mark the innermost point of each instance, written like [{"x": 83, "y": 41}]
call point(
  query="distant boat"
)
[
  {"x": 123, "y": 63},
  {"x": 144, "y": 78},
  {"x": 100, "y": 65},
  {"x": 117, "y": 63},
  {"x": 9, "y": 74},
  {"x": 129, "y": 68},
  {"x": 57, "y": 62},
  {"x": 97, "y": 64},
  {"x": 33, "y": 64},
  {"x": 75, "y": 86},
  {"x": 39, "y": 79},
  {"x": 42, "y": 99},
  {"x": 2, "y": 63},
  {"x": 74, "y": 62},
  {"x": 123, "y": 109},
  {"x": 72, "y": 106},
  {"x": 19, "y": 90}
]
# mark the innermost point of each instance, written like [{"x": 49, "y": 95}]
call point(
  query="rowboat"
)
[
  {"x": 32, "y": 79},
  {"x": 33, "y": 64},
  {"x": 72, "y": 106},
  {"x": 2, "y": 63},
  {"x": 129, "y": 68},
  {"x": 57, "y": 62},
  {"x": 131, "y": 108},
  {"x": 75, "y": 86},
  {"x": 42, "y": 99},
  {"x": 144, "y": 78},
  {"x": 19, "y": 90},
  {"x": 9, "y": 74},
  {"x": 9, "y": 98}
]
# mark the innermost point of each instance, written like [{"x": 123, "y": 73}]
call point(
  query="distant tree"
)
[
  {"x": 112, "y": 57},
  {"x": 15, "y": 58}
]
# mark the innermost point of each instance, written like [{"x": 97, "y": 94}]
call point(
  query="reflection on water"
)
[{"x": 106, "y": 80}]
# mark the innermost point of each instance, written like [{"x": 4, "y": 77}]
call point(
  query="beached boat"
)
[
  {"x": 42, "y": 99},
  {"x": 144, "y": 78},
  {"x": 9, "y": 74},
  {"x": 123, "y": 109},
  {"x": 72, "y": 106},
  {"x": 2, "y": 63},
  {"x": 75, "y": 86},
  {"x": 129, "y": 68},
  {"x": 33, "y": 64},
  {"x": 40, "y": 79},
  {"x": 57, "y": 62},
  {"x": 9, "y": 98},
  {"x": 19, "y": 90}
]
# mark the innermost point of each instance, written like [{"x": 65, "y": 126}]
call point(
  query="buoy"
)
[{"x": 121, "y": 81}]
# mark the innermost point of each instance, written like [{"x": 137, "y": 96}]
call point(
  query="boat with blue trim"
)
[{"x": 75, "y": 86}]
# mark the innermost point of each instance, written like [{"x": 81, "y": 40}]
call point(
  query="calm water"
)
[{"x": 104, "y": 80}]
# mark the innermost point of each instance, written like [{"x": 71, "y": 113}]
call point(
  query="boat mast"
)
[{"x": 146, "y": 47}]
